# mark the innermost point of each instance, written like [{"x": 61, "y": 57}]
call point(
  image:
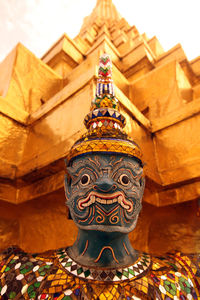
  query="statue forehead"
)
[{"x": 104, "y": 160}]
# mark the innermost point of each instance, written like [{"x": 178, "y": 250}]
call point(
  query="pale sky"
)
[{"x": 38, "y": 24}]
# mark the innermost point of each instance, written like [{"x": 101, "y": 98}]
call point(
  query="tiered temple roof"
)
[{"x": 43, "y": 103}]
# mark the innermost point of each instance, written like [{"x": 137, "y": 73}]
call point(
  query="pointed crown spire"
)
[
  {"x": 104, "y": 122},
  {"x": 105, "y": 96}
]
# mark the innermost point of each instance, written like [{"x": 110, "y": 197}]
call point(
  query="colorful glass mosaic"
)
[
  {"x": 56, "y": 276},
  {"x": 106, "y": 114},
  {"x": 105, "y": 95},
  {"x": 105, "y": 145},
  {"x": 105, "y": 66},
  {"x": 105, "y": 121},
  {"x": 138, "y": 268}
]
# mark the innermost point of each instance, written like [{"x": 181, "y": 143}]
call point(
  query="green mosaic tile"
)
[
  {"x": 187, "y": 283},
  {"x": 12, "y": 261},
  {"x": 32, "y": 294},
  {"x": 173, "y": 265},
  {"x": 119, "y": 274},
  {"x": 131, "y": 272},
  {"x": 41, "y": 269},
  {"x": 125, "y": 273},
  {"x": 167, "y": 287},
  {"x": 172, "y": 292},
  {"x": 37, "y": 284},
  {"x": 25, "y": 268},
  {"x": 188, "y": 290},
  {"x": 47, "y": 267},
  {"x": 87, "y": 273},
  {"x": 79, "y": 271},
  {"x": 68, "y": 264},
  {"x": 30, "y": 288},
  {"x": 12, "y": 295},
  {"x": 7, "y": 269},
  {"x": 43, "y": 273},
  {"x": 173, "y": 286},
  {"x": 181, "y": 279},
  {"x": 24, "y": 271}
]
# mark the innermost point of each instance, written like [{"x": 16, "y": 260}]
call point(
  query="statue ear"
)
[
  {"x": 142, "y": 184},
  {"x": 67, "y": 186},
  {"x": 67, "y": 181},
  {"x": 68, "y": 213}
]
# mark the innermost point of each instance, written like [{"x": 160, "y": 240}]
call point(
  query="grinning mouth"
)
[{"x": 106, "y": 199}]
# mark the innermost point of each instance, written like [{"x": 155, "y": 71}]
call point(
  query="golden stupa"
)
[{"x": 43, "y": 103}]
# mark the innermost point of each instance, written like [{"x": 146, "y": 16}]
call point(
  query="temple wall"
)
[{"x": 42, "y": 224}]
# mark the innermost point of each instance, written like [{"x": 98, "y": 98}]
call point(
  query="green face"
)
[{"x": 104, "y": 192}]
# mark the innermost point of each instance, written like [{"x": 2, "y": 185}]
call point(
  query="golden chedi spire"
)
[{"x": 104, "y": 11}]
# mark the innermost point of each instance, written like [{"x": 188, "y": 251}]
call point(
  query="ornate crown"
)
[{"x": 104, "y": 122}]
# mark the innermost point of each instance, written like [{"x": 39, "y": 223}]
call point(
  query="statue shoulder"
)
[
  {"x": 8, "y": 251},
  {"x": 178, "y": 261},
  {"x": 6, "y": 254},
  {"x": 22, "y": 273},
  {"x": 176, "y": 274}
]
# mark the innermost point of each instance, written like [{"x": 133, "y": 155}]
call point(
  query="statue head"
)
[
  {"x": 104, "y": 183},
  {"x": 104, "y": 192}
]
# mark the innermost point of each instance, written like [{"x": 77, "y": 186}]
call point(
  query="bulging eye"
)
[
  {"x": 85, "y": 179},
  {"x": 123, "y": 179}
]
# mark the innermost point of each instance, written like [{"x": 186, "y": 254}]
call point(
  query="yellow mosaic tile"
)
[{"x": 118, "y": 146}]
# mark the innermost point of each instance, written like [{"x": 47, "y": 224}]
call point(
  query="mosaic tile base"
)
[
  {"x": 56, "y": 276},
  {"x": 133, "y": 271}
]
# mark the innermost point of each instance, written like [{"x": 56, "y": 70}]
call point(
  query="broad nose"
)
[{"x": 105, "y": 185}]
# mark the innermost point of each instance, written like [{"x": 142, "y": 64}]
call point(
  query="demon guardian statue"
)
[{"x": 104, "y": 187}]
